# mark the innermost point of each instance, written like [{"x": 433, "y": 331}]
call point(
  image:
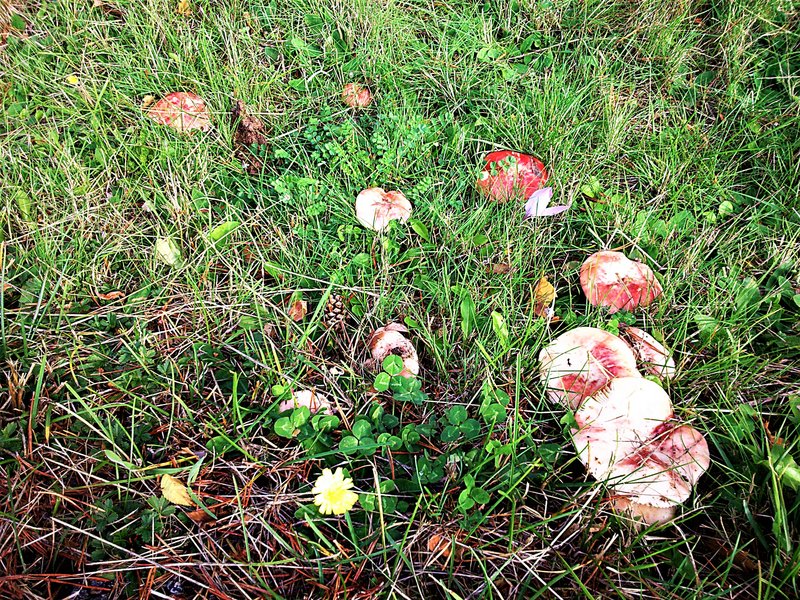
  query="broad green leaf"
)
[
  {"x": 222, "y": 231},
  {"x": 468, "y": 316},
  {"x": 500, "y": 328},
  {"x": 420, "y": 229}
]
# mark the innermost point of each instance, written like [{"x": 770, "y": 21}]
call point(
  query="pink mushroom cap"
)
[{"x": 611, "y": 279}]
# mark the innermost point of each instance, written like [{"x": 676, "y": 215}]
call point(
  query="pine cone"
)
[{"x": 335, "y": 312}]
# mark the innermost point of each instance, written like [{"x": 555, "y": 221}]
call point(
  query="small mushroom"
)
[
  {"x": 654, "y": 357},
  {"x": 510, "y": 175},
  {"x": 183, "y": 111},
  {"x": 390, "y": 340},
  {"x": 581, "y": 362},
  {"x": 312, "y": 400},
  {"x": 356, "y": 95},
  {"x": 611, "y": 279},
  {"x": 375, "y": 208}
]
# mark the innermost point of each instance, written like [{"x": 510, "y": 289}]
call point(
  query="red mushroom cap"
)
[
  {"x": 611, "y": 279},
  {"x": 183, "y": 111},
  {"x": 663, "y": 471},
  {"x": 581, "y": 362},
  {"x": 509, "y": 175},
  {"x": 356, "y": 95}
]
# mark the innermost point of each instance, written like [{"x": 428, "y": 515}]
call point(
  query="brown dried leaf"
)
[
  {"x": 543, "y": 297},
  {"x": 200, "y": 516},
  {"x": 501, "y": 268},
  {"x": 544, "y": 293},
  {"x": 111, "y": 295},
  {"x": 298, "y": 310},
  {"x": 250, "y": 132}
]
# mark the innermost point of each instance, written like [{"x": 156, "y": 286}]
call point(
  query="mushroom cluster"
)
[{"x": 625, "y": 431}]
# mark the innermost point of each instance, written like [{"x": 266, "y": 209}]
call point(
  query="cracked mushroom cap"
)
[
  {"x": 615, "y": 423},
  {"x": 390, "y": 340},
  {"x": 655, "y": 358},
  {"x": 312, "y": 400},
  {"x": 581, "y": 362},
  {"x": 183, "y": 111},
  {"x": 508, "y": 175},
  {"x": 611, "y": 279},
  {"x": 664, "y": 471},
  {"x": 356, "y": 95},
  {"x": 375, "y": 208}
]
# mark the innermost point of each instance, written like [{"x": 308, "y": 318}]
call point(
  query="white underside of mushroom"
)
[
  {"x": 655, "y": 358},
  {"x": 644, "y": 513},
  {"x": 390, "y": 340}
]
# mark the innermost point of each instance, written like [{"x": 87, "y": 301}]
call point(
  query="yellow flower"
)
[{"x": 332, "y": 493}]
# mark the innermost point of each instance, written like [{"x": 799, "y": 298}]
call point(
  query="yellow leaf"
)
[
  {"x": 173, "y": 490},
  {"x": 545, "y": 293},
  {"x": 184, "y": 9},
  {"x": 147, "y": 101}
]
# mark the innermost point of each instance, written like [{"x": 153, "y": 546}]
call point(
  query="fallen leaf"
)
[
  {"x": 298, "y": 310},
  {"x": 182, "y": 111},
  {"x": 111, "y": 295},
  {"x": 183, "y": 8},
  {"x": 147, "y": 101},
  {"x": 501, "y": 268},
  {"x": 543, "y": 297},
  {"x": 201, "y": 516},
  {"x": 249, "y": 139},
  {"x": 173, "y": 490},
  {"x": 168, "y": 252}
]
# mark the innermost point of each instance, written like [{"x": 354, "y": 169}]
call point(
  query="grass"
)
[{"x": 684, "y": 114}]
